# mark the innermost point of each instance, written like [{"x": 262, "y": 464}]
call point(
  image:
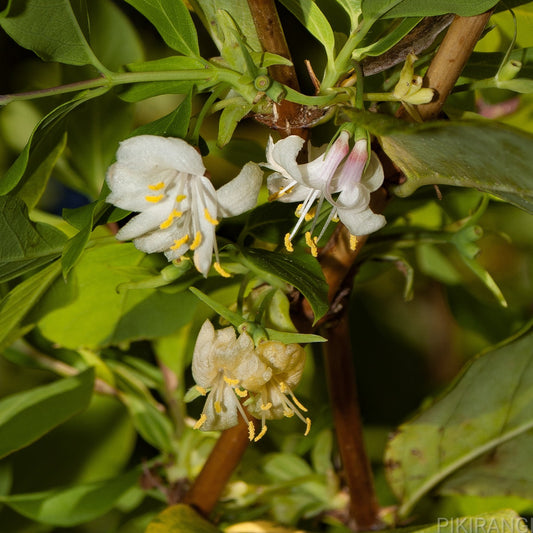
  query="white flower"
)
[
  {"x": 326, "y": 174},
  {"x": 163, "y": 179},
  {"x": 228, "y": 366},
  {"x": 275, "y": 398}
]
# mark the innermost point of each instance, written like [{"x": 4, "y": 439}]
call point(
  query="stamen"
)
[
  {"x": 353, "y": 242},
  {"x": 171, "y": 217},
  {"x": 335, "y": 218},
  {"x": 308, "y": 428},
  {"x": 266, "y": 407},
  {"x": 242, "y": 393},
  {"x": 298, "y": 211},
  {"x": 288, "y": 244},
  {"x": 311, "y": 242},
  {"x": 251, "y": 430},
  {"x": 197, "y": 241},
  {"x": 153, "y": 199},
  {"x": 297, "y": 402},
  {"x": 220, "y": 270},
  {"x": 180, "y": 242},
  {"x": 310, "y": 214},
  {"x": 218, "y": 408},
  {"x": 288, "y": 413},
  {"x": 281, "y": 192},
  {"x": 209, "y": 218},
  {"x": 261, "y": 433},
  {"x": 200, "y": 422},
  {"x": 180, "y": 197},
  {"x": 230, "y": 381},
  {"x": 157, "y": 186},
  {"x": 201, "y": 390}
]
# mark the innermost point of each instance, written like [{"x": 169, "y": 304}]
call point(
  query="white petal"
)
[
  {"x": 158, "y": 240},
  {"x": 276, "y": 182},
  {"x": 362, "y": 222},
  {"x": 128, "y": 187},
  {"x": 203, "y": 255},
  {"x": 203, "y": 369},
  {"x": 373, "y": 175},
  {"x": 240, "y": 194},
  {"x": 143, "y": 223},
  {"x": 228, "y": 417},
  {"x": 281, "y": 156},
  {"x": 150, "y": 153}
]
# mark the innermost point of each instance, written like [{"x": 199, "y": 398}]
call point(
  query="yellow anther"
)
[
  {"x": 266, "y": 407},
  {"x": 179, "y": 243},
  {"x": 282, "y": 386},
  {"x": 220, "y": 270},
  {"x": 230, "y": 381},
  {"x": 197, "y": 241},
  {"x": 298, "y": 404},
  {"x": 288, "y": 243},
  {"x": 218, "y": 408},
  {"x": 353, "y": 242},
  {"x": 180, "y": 197},
  {"x": 153, "y": 199},
  {"x": 288, "y": 413},
  {"x": 261, "y": 433},
  {"x": 308, "y": 428},
  {"x": 279, "y": 194},
  {"x": 171, "y": 217},
  {"x": 201, "y": 390},
  {"x": 200, "y": 421},
  {"x": 335, "y": 218},
  {"x": 311, "y": 242},
  {"x": 209, "y": 218},
  {"x": 242, "y": 393},
  {"x": 251, "y": 430},
  {"x": 298, "y": 211},
  {"x": 157, "y": 186},
  {"x": 310, "y": 214}
]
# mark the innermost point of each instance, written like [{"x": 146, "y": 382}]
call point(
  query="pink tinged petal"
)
[
  {"x": 352, "y": 170},
  {"x": 297, "y": 193},
  {"x": 145, "y": 222},
  {"x": 361, "y": 222},
  {"x": 240, "y": 194},
  {"x": 151, "y": 153},
  {"x": 373, "y": 176},
  {"x": 203, "y": 369},
  {"x": 281, "y": 156}
]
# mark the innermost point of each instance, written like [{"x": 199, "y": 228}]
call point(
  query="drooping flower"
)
[
  {"x": 224, "y": 367},
  {"x": 337, "y": 170},
  {"x": 274, "y": 398},
  {"x": 163, "y": 179}
]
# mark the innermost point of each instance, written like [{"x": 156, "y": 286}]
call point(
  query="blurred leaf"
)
[
  {"x": 72, "y": 505},
  {"x": 322, "y": 452},
  {"x": 24, "y": 245},
  {"x": 21, "y": 299},
  {"x": 309, "y": 14},
  {"x": 173, "y": 22},
  {"x": 153, "y": 426},
  {"x": 59, "y": 39},
  {"x": 88, "y": 311},
  {"x": 300, "y": 270},
  {"x": 180, "y": 518},
  {"x": 27, "y": 416},
  {"x": 45, "y": 137},
  {"x": 175, "y": 124},
  {"x": 482, "y": 412}
]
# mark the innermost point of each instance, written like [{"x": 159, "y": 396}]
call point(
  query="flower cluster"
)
[
  {"x": 228, "y": 368},
  {"x": 163, "y": 179},
  {"x": 350, "y": 173}
]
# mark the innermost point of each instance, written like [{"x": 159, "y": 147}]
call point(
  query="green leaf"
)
[
  {"x": 180, "y": 518},
  {"x": 289, "y": 337},
  {"x": 175, "y": 124},
  {"x": 173, "y": 21},
  {"x": 20, "y": 300},
  {"x": 27, "y": 416},
  {"x": 301, "y": 271},
  {"x": 484, "y": 411},
  {"x": 309, "y": 14},
  {"x": 73, "y": 505},
  {"x": 353, "y": 9},
  {"x": 89, "y": 310},
  {"x": 233, "y": 318},
  {"x": 481, "y": 154},
  {"x": 24, "y": 245},
  {"x": 229, "y": 118},
  {"x": 59, "y": 39},
  {"x": 45, "y": 137}
]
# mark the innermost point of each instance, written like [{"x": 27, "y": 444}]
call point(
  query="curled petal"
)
[
  {"x": 297, "y": 193},
  {"x": 225, "y": 401},
  {"x": 373, "y": 175},
  {"x": 362, "y": 222},
  {"x": 240, "y": 194},
  {"x": 203, "y": 370},
  {"x": 281, "y": 156}
]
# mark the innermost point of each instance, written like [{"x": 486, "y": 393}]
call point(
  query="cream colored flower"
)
[{"x": 163, "y": 179}]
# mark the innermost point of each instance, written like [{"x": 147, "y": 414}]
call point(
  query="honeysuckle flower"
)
[
  {"x": 337, "y": 170},
  {"x": 409, "y": 87},
  {"x": 224, "y": 367},
  {"x": 274, "y": 398},
  {"x": 163, "y": 179}
]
